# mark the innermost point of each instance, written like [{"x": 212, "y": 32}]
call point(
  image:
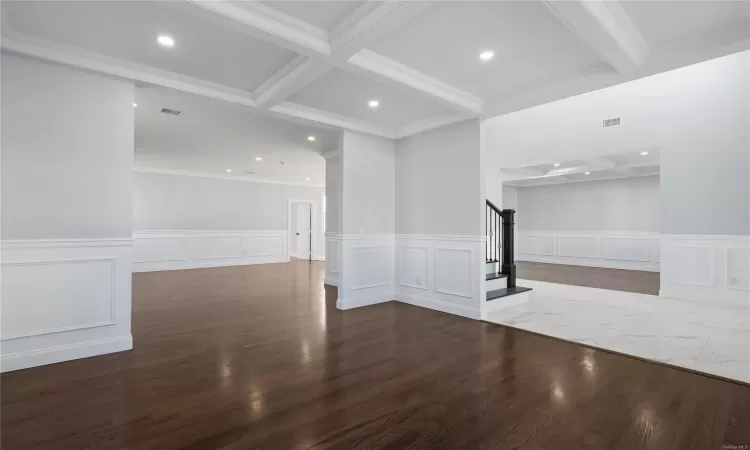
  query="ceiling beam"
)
[
  {"x": 421, "y": 126},
  {"x": 72, "y": 56},
  {"x": 263, "y": 22},
  {"x": 375, "y": 65},
  {"x": 328, "y": 118},
  {"x": 366, "y": 23},
  {"x": 606, "y": 28}
]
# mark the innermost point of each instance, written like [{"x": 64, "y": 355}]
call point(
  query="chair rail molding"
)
[{"x": 64, "y": 299}]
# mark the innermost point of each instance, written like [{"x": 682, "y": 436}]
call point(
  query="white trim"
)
[
  {"x": 271, "y": 25},
  {"x": 336, "y": 120},
  {"x": 73, "y": 56},
  {"x": 435, "y": 277},
  {"x": 52, "y": 355},
  {"x": 183, "y": 255},
  {"x": 420, "y": 126},
  {"x": 387, "y": 69},
  {"x": 331, "y": 281},
  {"x": 438, "y": 305},
  {"x": 605, "y": 28},
  {"x": 57, "y": 243},
  {"x": 251, "y": 179}
]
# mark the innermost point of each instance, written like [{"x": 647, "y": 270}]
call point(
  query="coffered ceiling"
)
[{"x": 322, "y": 62}]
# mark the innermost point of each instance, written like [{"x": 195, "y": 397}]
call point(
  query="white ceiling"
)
[
  {"x": 210, "y": 136},
  {"x": 317, "y": 63},
  {"x": 622, "y": 165}
]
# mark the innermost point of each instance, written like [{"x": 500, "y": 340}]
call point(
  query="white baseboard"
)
[
  {"x": 365, "y": 301},
  {"x": 156, "y": 266},
  {"x": 319, "y": 257},
  {"x": 53, "y": 355},
  {"x": 437, "y": 305}
]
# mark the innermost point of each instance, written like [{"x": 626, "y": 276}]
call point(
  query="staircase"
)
[{"x": 501, "y": 267}]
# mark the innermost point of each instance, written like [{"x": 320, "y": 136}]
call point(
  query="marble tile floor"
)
[{"x": 697, "y": 336}]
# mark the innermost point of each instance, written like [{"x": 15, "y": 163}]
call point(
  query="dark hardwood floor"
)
[
  {"x": 259, "y": 357},
  {"x": 636, "y": 281}
]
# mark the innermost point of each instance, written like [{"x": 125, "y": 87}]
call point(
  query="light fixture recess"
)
[
  {"x": 587, "y": 173},
  {"x": 373, "y": 103},
  {"x": 311, "y": 138},
  {"x": 486, "y": 55},
  {"x": 556, "y": 164},
  {"x": 165, "y": 41},
  {"x": 644, "y": 153},
  {"x": 258, "y": 158},
  {"x": 228, "y": 170}
]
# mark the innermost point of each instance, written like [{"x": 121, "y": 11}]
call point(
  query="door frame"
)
[{"x": 290, "y": 226}]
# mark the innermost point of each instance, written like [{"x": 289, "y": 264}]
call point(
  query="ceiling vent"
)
[
  {"x": 172, "y": 112},
  {"x": 611, "y": 122}
]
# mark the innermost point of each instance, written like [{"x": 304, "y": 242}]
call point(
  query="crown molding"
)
[
  {"x": 190, "y": 173},
  {"x": 427, "y": 125},
  {"x": 72, "y": 56},
  {"x": 317, "y": 115},
  {"x": 331, "y": 154},
  {"x": 374, "y": 64},
  {"x": 263, "y": 22}
]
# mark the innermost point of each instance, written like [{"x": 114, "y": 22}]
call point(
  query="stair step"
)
[
  {"x": 505, "y": 292},
  {"x": 495, "y": 276}
]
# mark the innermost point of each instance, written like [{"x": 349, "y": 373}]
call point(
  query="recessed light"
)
[
  {"x": 644, "y": 153},
  {"x": 587, "y": 173},
  {"x": 311, "y": 138},
  {"x": 486, "y": 55},
  {"x": 556, "y": 164},
  {"x": 258, "y": 158},
  {"x": 165, "y": 40},
  {"x": 229, "y": 170},
  {"x": 135, "y": 105},
  {"x": 373, "y": 103},
  {"x": 307, "y": 178}
]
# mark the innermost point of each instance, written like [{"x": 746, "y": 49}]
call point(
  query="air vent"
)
[
  {"x": 172, "y": 112},
  {"x": 611, "y": 122}
]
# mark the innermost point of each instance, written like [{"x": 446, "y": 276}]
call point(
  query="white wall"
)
[
  {"x": 510, "y": 198},
  {"x": 369, "y": 185},
  {"x": 699, "y": 119},
  {"x": 440, "y": 200},
  {"x": 67, "y": 155},
  {"x": 67, "y": 143},
  {"x": 437, "y": 173},
  {"x": 627, "y": 204},
  {"x": 697, "y": 116},
  {"x": 184, "y": 221}
]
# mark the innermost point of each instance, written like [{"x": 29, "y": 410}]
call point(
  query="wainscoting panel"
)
[
  {"x": 366, "y": 273},
  {"x": 712, "y": 269},
  {"x": 617, "y": 250},
  {"x": 738, "y": 268},
  {"x": 64, "y": 299},
  {"x": 536, "y": 245},
  {"x": 413, "y": 267},
  {"x": 578, "y": 246},
  {"x": 445, "y": 273},
  {"x": 173, "y": 250},
  {"x": 332, "y": 259}
]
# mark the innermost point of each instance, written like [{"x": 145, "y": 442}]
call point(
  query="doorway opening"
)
[{"x": 300, "y": 229}]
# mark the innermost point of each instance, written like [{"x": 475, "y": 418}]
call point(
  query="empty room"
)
[{"x": 375, "y": 224}]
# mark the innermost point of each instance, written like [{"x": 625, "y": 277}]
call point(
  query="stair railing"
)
[{"x": 494, "y": 219}]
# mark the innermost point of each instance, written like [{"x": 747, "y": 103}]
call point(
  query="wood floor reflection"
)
[{"x": 259, "y": 357}]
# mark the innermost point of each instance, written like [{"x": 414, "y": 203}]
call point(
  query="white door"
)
[{"x": 303, "y": 234}]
